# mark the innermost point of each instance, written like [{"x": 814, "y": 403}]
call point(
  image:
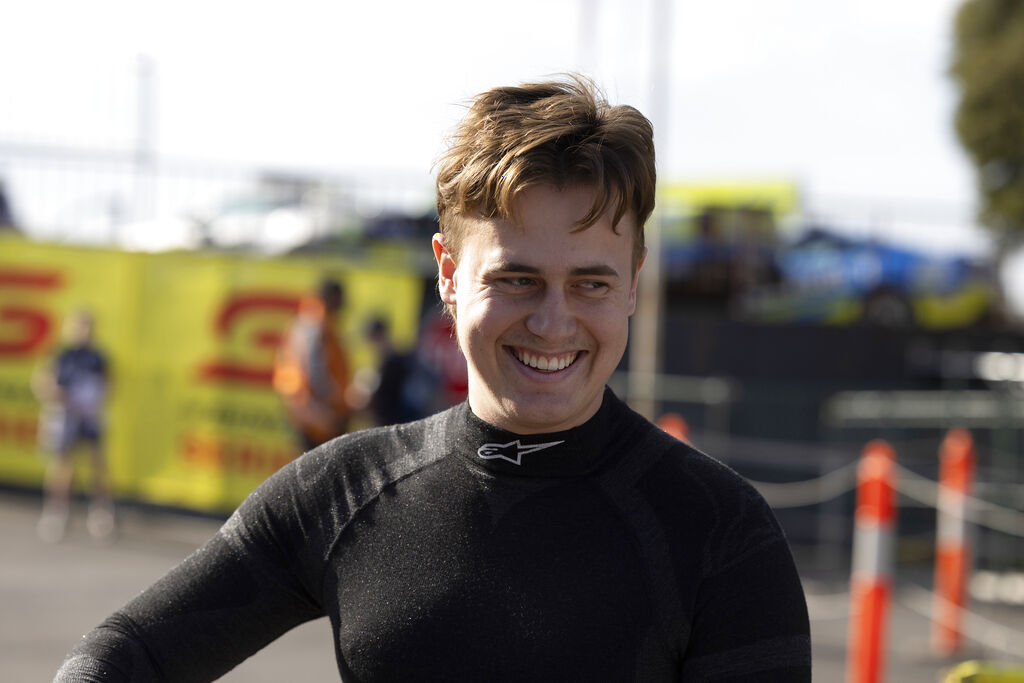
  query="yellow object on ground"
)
[{"x": 982, "y": 672}]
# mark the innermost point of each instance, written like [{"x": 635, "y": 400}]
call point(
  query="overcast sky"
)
[{"x": 849, "y": 98}]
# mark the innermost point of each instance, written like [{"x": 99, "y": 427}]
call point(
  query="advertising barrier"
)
[{"x": 192, "y": 420}]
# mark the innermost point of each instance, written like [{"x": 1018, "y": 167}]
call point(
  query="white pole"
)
[{"x": 645, "y": 348}]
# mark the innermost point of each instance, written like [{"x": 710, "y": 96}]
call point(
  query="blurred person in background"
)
[
  {"x": 73, "y": 390},
  {"x": 6, "y": 216},
  {"x": 311, "y": 368},
  {"x": 405, "y": 388},
  {"x": 439, "y": 352},
  {"x": 540, "y": 530}
]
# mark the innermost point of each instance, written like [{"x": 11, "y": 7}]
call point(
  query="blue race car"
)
[{"x": 825, "y": 277}]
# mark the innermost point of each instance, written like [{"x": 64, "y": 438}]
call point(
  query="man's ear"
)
[
  {"x": 636, "y": 281},
  {"x": 445, "y": 269}
]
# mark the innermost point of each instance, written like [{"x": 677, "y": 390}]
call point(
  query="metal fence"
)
[{"x": 121, "y": 197}]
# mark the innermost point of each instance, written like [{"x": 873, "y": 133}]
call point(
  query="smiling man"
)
[
  {"x": 542, "y": 307},
  {"x": 541, "y": 530}
]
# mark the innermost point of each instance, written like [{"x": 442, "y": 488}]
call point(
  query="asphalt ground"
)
[{"x": 53, "y": 593}]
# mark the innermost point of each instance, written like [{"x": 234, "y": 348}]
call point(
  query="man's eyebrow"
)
[
  {"x": 599, "y": 269},
  {"x": 513, "y": 267},
  {"x": 596, "y": 270}
]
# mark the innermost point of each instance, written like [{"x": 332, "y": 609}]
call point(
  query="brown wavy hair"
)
[{"x": 559, "y": 133}]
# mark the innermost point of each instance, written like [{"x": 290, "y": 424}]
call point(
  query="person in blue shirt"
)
[{"x": 73, "y": 389}]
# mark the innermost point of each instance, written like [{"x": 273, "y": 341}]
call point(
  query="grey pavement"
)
[
  {"x": 54, "y": 593},
  {"x": 908, "y": 656}
]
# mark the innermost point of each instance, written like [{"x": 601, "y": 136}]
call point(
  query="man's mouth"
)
[{"x": 545, "y": 363}]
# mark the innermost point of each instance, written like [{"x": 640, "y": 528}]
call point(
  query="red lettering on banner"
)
[
  {"x": 25, "y": 431},
  {"x": 269, "y": 339},
  {"x": 33, "y": 328},
  {"x": 248, "y": 458},
  {"x": 234, "y": 311},
  {"x": 25, "y": 330},
  {"x": 228, "y": 371},
  {"x": 34, "y": 279},
  {"x": 244, "y": 457},
  {"x": 18, "y": 430}
]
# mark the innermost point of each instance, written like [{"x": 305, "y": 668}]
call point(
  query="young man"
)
[{"x": 539, "y": 531}]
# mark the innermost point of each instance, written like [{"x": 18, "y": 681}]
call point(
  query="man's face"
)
[
  {"x": 79, "y": 330},
  {"x": 542, "y": 312}
]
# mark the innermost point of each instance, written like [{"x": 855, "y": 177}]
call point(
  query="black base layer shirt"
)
[{"x": 450, "y": 550}]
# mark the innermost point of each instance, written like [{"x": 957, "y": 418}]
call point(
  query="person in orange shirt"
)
[{"x": 311, "y": 369}]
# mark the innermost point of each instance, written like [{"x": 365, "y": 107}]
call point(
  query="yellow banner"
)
[
  {"x": 192, "y": 420},
  {"x": 779, "y": 197},
  {"x": 745, "y": 210}
]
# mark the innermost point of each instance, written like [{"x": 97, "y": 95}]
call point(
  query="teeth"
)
[{"x": 545, "y": 363}]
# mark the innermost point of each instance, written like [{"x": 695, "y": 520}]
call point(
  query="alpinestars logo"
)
[{"x": 513, "y": 451}]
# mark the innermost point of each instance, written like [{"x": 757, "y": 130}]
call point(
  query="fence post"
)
[
  {"x": 871, "y": 578},
  {"x": 952, "y": 552}
]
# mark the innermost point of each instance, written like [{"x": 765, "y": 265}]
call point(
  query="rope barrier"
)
[
  {"x": 984, "y": 631},
  {"x": 878, "y": 479},
  {"x": 980, "y": 512},
  {"x": 920, "y": 489},
  {"x": 810, "y": 491}
]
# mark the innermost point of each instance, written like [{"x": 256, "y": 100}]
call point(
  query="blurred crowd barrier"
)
[
  {"x": 192, "y": 419},
  {"x": 812, "y": 486},
  {"x": 960, "y": 518},
  {"x": 810, "y": 481}
]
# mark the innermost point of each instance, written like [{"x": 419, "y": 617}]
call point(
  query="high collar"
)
[{"x": 567, "y": 453}]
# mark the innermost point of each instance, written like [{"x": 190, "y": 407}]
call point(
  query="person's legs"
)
[
  {"x": 100, "y": 520},
  {"x": 53, "y": 523},
  {"x": 58, "y": 433}
]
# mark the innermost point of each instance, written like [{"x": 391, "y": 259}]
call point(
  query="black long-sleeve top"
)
[{"x": 448, "y": 549}]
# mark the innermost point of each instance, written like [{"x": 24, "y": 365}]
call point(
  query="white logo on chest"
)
[{"x": 513, "y": 451}]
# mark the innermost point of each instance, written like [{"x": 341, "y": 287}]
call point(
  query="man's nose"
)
[{"x": 552, "y": 317}]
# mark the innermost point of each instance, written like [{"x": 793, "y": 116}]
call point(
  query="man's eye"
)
[
  {"x": 517, "y": 281},
  {"x": 593, "y": 286}
]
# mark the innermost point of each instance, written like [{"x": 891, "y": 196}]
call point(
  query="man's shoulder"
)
[
  {"x": 704, "y": 506},
  {"x": 683, "y": 462},
  {"x": 378, "y": 452},
  {"x": 672, "y": 470},
  {"x": 666, "y": 456},
  {"x": 344, "y": 474},
  {"x": 691, "y": 461}
]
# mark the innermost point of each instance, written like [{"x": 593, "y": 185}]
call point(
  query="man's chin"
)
[{"x": 542, "y": 414}]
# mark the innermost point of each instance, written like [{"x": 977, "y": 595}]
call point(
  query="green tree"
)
[{"x": 988, "y": 67}]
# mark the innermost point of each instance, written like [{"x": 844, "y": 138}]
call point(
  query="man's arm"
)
[
  {"x": 230, "y": 598},
  {"x": 751, "y": 623},
  {"x": 200, "y": 620}
]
